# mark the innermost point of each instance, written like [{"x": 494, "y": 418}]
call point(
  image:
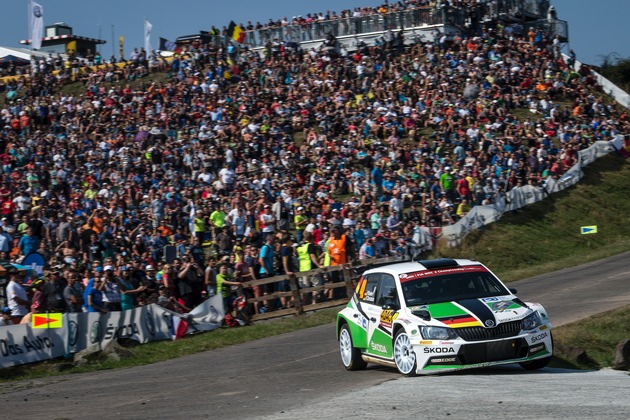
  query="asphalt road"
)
[{"x": 299, "y": 375}]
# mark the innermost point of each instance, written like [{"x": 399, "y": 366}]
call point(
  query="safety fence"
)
[
  {"x": 480, "y": 216},
  {"x": 73, "y": 332},
  {"x": 320, "y": 281}
]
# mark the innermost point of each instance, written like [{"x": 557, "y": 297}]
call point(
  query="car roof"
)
[{"x": 421, "y": 265}]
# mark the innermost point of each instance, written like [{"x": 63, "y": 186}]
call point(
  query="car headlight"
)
[
  {"x": 532, "y": 321},
  {"x": 438, "y": 333}
]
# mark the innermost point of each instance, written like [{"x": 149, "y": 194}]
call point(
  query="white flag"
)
[
  {"x": 191, "y": 218},
  {"x": 147, "y": 36},
  {"x": 35, "y": 24}
]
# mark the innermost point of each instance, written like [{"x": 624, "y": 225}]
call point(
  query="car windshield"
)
[{"x": 438, "y": 287}]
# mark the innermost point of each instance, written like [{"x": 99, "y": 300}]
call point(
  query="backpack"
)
[{"x": 230, "y": 321}]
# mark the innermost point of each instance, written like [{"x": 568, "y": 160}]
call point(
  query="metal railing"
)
[
  {"x": 403, "y": 19},
  {"x": 346, "y": 26}
]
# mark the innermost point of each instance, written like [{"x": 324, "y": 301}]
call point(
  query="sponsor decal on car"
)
[
  {"x": 387, "y": 317},
  {"x": 539, "y": 337},
  {"x": 433, "y": 350},
  {"x": 431, "y": 273},
  {"x": 425, "y": 342},
  {"x": 443, "y": 360},
  {"x": 453, "y": 315},
  {"x": 536, "y": 349},
  {"x": 378, "y": 347}
]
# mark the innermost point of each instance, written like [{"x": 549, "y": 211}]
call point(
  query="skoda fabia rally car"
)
[{"x": 435, "y": 316}]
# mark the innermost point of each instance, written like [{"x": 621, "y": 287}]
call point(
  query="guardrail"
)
[{"x": 347, "y": 278}]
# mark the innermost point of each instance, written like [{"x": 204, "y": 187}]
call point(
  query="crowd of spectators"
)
[{"x": 169, "y": 190}]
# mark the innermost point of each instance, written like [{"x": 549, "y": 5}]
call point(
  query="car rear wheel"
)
[
  {"x": 404, "y": 355},
  {"x": 350, "y": 355}
]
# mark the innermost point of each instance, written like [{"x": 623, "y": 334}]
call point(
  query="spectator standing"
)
[
  {"x": 111, "y": 290},
  {"x": 16, "y": 295},
  {"x": 309, "y": 260},
  {"x": 73, "y": 292},
  {"x": 29, "y": 242}
]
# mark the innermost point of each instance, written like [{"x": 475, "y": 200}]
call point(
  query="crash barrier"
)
[
  {"x": 20, "y": 344},
  {"x": 320, "y": 281},
  {"x": 609, "y": 88},
  {"x": 516, "y": 198}
]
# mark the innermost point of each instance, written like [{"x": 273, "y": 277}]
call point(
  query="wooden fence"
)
[{"x": 301, "y": 296}]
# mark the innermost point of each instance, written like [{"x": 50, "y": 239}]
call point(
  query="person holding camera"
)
[{"x": 190, "y": 282}]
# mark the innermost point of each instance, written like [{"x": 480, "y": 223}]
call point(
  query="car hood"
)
[{"x": 487, "y": 312}]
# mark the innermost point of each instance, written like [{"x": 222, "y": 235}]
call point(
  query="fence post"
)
[
  {"x": 297, "y": 296},
  {"x": 347, "y": 278}
]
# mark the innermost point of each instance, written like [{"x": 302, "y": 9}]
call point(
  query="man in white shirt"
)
[
  {"x": 6, "y": 240},
  {"x": 16, "y": 296}
]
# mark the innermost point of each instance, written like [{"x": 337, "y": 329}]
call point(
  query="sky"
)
[{"x": 596, "y": 28}]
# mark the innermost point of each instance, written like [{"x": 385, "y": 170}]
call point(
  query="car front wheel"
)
[
  {"x": 404, "y": 355},
  {"x": 350, "y": 356},
  {"x": 538, "y": 363}
]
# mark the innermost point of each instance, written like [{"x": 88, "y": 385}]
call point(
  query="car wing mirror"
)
[
  {"x": 513, "y": 290},
  {"x": 423, "y": 314},
  {"x": 391, "y": 306}
]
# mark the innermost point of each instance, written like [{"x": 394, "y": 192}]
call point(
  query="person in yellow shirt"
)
[{"x": 301, "y": 221}]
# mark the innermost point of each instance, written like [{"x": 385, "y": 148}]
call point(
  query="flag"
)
[
  {"x": 191, "y": 216},
  {"x": 620, "y": 145},
  {"x": 35, "y": 24},
  {"x": 236, "y": 33},
  {"x": 147, "y": 35},
  {"x": 71, "y": 47},
  {"x": 121, "y": 47},
  {"x": 180, "y": 327},
  {"x": 47, "y": 320},
  {"x": 166, "y": 45}
]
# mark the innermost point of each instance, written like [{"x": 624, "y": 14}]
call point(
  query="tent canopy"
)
[{"x": 8, "y": 59}]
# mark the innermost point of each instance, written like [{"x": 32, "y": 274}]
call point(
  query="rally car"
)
[{"x": 433, "y": 316}]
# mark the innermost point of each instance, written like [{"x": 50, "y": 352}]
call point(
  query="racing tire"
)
[
  {"x": 350, "y": 355},
  {"x": 538, "y": 363},
  {"x": 404, "y": 354}
]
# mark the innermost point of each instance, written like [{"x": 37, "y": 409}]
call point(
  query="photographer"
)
[{"x": 190, "y": 282}]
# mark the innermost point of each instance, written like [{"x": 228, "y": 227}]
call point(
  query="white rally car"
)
[{"x": 435, "y": 316}]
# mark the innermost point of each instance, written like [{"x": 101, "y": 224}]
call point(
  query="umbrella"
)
[
  {"x": 140, "y": 136},
  {"x": 8, "y": 59}
]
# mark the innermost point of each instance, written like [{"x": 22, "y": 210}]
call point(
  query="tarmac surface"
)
[{"x": 299, "y": 375}]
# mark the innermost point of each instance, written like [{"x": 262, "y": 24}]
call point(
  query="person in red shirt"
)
[{"x": 8, "y": 209}]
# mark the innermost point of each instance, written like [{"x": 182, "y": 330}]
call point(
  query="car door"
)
[
  {"x": 382, "y": 314},
  {"x": 369, "y": 308}
]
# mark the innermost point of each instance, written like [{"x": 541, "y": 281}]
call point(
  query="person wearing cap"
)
[
  {"x": 16, "y": 295},
  {"x": 267, "y": 222},
  {"x": 301, "y": 221},
  {"x": 447, "y": 183},
  {"x": 5, "y": 320},
  {"x": 38, "y": 301},
  {"x": 112, "y": 295}
]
